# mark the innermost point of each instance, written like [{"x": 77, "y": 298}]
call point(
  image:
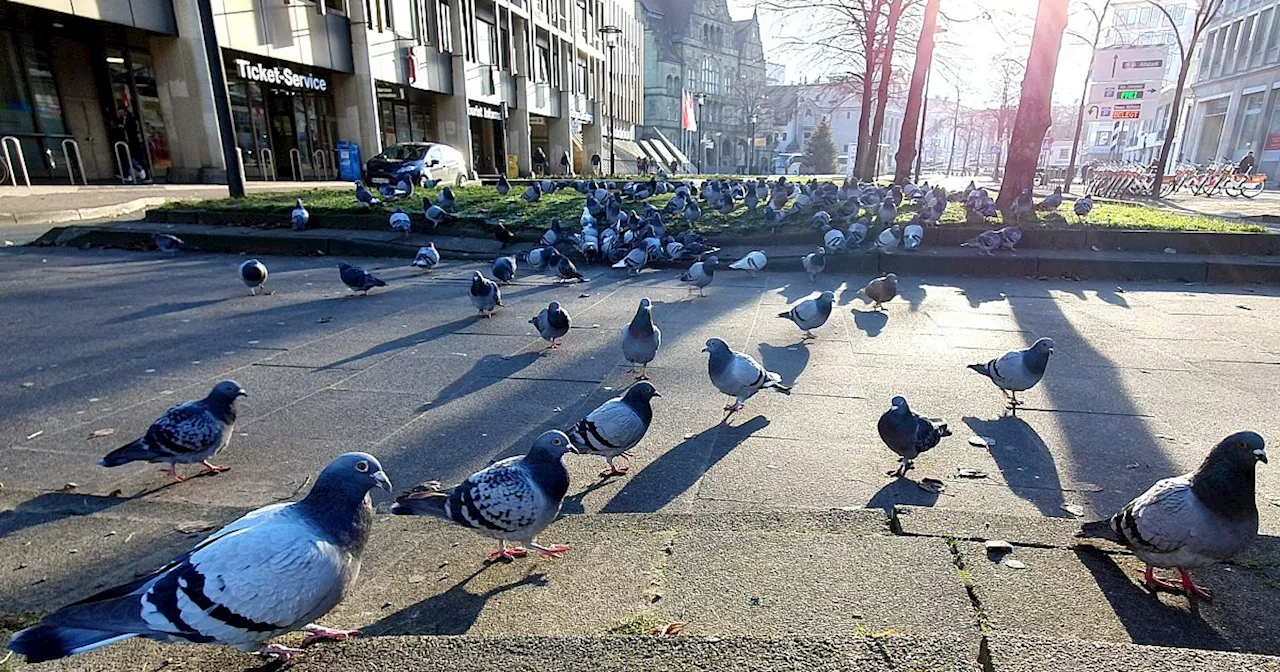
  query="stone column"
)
[
  {"x": 560, "y": 134},
  {"x": 518, "y": 132},
  {"x": 186, "y": 100},
  {"x": 355, "y": 96}
]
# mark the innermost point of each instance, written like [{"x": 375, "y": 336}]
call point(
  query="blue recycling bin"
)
[{"x": 350, "y": 168}]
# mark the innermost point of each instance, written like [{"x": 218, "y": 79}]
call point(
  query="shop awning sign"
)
[
  {"x": 260, "y": 72},
  {"x": 483, "y": 111}
]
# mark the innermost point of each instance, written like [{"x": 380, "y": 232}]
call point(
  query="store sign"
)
[
  {"x": 1273, "y": 143},
  {"x": 1138, "y": 111},
  {"x": 259, "y": 72},
  {"x": 1129, "y": 64},
  {"x": 483, "y": 112},
  {"x": 1126, "y": 92}
]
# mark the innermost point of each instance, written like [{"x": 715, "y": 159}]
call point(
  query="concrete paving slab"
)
[{"x": 1018, "y": 653}]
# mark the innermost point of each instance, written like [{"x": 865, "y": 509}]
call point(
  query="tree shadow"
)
[
  {"x": 166, "y": 309},
  {"x": 913, "y": 293},
  {"x": 1024, "y": 460},
  {"x": 678, "y": 469},
  {"x": 788, "y": 361},
  {"x": 871, "y": 322},
  {"x": 411, "y": 340},
  {"x": 901, "y": 491},
  {"x": 452, "y": 612}
]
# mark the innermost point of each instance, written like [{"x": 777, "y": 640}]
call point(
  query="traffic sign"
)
[
  {"x": 1122, "y": 92},
  {"x": 1129, "y": 64},
  {"x": 1119, "y": 111}
]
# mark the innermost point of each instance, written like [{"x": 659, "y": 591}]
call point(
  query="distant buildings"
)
[
  {"x": 775, "y": 73},
  {"x": 797, "y": 109}
]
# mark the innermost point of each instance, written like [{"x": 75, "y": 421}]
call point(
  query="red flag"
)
[{"x": 688, "y": 119}]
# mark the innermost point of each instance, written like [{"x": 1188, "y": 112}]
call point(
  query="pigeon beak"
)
[
  {"x": 382, "y": 481},
  {"x": 706, "y": 350},
  {"x": 1261, "y": 454},
  {"x": 242, "y": 393},
  {"x": 657, "y": 393}
]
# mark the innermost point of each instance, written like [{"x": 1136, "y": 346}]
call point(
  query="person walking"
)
[
  {"x": 1246, "y": 165},
  {"x": 539, "y": 161},
  {"x": 595, "y": 163},
  {"x": 564, "y": 163}
]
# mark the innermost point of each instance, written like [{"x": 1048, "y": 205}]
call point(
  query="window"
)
[
  {"x": 1215, "y": 67},
  {"x": 1245, "y": 50},
  {"x": 403, "y": 17},
  {"x": 1229, "y": 50},
  {"x": 446, "y": 26},
  {"x": 542, "y": 65},
  {"x": 1250, "y": 121},
  {"x": 1273, "y": 41},
  {"x": 583, "y": 78},
  {"x": 1144, "y": 17}
]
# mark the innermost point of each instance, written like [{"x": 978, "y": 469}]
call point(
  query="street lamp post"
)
[
  {"x": 751, "y": 148},
  {"x": 611, "y": 33},
  {"x": 702, "y": 99}
]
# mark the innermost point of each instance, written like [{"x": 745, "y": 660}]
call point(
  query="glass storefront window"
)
[
  {"x": 15, "y": 107},
  {"x": 1250, "y": 123},
  {"x": 144, "y": 82}
]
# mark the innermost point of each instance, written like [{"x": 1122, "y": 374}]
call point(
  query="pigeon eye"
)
[
  {"x": 555, "y": 441},
  {"x": 362, "y": 466}
]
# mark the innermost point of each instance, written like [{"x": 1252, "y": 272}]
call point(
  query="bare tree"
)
[
  {"x": 867, "y": 160},
  {"x": 1206, "y": 12},
  {"x": 1035, "y": 104},
  {"x": 1098, "y": 27},
  {"x": 1009, "y": 71},
  {"x": 908, "y": 138}
]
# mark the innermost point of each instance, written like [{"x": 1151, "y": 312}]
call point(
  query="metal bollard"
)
[
  {"x": 320, "y": 158},
  {"x": 297, "y": 153},
  {"x": 22, "y": 160},
  {"x": 266, "y": 155},
  {"x": 66, "y": 155},
  {"x": 115, "y": 149}
]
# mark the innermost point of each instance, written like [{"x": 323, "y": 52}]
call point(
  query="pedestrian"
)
[
  {"x": 675, "y": 166},
  {"x": 539, "y": 161},
  {"x": 1246, "y": 164},
  {"x": 564, "y": 163},
  {"x": 640, "y": 165},
  {"x": 595, "y": 163}
]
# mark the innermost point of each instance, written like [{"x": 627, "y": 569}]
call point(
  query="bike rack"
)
[
  {"x": 295, "y": 152},
  {"x": 320, "y": 158},
  {"x": 267, "y": 156},
  {"x": 66, "y": 155},
  {"x": 22, "y": 160},
  {"x": 128, "y": 154}
]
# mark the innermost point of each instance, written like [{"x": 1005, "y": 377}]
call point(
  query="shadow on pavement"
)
[
  {"x": 53, "y": 506},
  {"x": 452, "y": 612},
  {"x": 786, "y": 361},
  {"x": 901, "y": 491},
  {"x": 409, "y": 341},
  {"x": 166, "y": 309},
  {"x": 1024, "y": 460},
  {"x": 485, "y": 372},
  {"x": 870, "y": 322}
]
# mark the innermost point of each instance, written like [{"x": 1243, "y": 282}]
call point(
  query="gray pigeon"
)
[
  {"x": 634, "y": 261},
  {"x": 273, "y": 571},
  {"x": 254, "y": 275},
  {"x": 615, "y": 427},
  {"x": 299, "y": 217},
  {"x": 552, "y": 323},
  {"x": 881, "y": 290},
  {"x": 908, "y": 434},
  {"x": 566, "y": 270},
  {"x": 1083, "y": 207},
  {"x": 358, "y": 279},
  {"x": 512, "y": 499},
  {"x": 485, "y": 295},
  {"x": 399, "y": 221},
  {"x": 752, "y": 263},
  {"x": 1018, "y": 370},
  {"x": 167, "y": 242},
  {"x": 814, "y": 263},
  {"x": 738, "y": 375},
  {"x": 504, "y": 269},
  {"x": 427, "y": 258},
  {"x": 986, "y": 242},
  {"x": 889, "y": 237},
  {"x": 641, "y": 339},
  {"x": 1193, "y": 520},
  {"x": 700, "y": 274},
  {"x": 543, "y": 258},
  {"x": 811, "y": 313},
  {"x": 192, "y": 431}
]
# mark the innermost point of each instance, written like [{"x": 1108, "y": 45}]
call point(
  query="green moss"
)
[{"x": 637, "y": 625}]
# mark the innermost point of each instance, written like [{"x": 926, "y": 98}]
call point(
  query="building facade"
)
[
  {"x": 1237, "y": 89},
  {"x": 798, "y": 108},
  {"x": 128, "y": 82},
  {"x": 695, "y": 46}
]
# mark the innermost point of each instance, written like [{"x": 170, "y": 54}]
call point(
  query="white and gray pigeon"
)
[
  {"x": 857, "y": 233},
  {"x": 167, "y": 242},
  {"x": 881, "y": 290},
  {"x": 1194, "y": 520},
  {"x": 814, "y": 263},
  {"x": 615, "y": 427},
  {"x": 833, "y": 238},
  {"x": 641, "y": 339},
  {"x": 552, "y": 324},
  {"x": 510, "y": 500},
  {"x": 738, "y": 375},
  {"x": 753, "y": 262},
  {"x": 1017, "y": 370},
  {"x": 700, "y": 274},
  {"x": 634, "y": 261},
  {"x": 273, "y": 571},
  {"x": 428, "y": 257},
  {"x": 912, "y": 235},
  {"x": 811, "y": 313},
  {"x": 485, "y": 295},
  {"x": 193, "y": 431},
  {"x": 299, "y": 217},
  {"x": 358, "y": 279},
  {"x": 504, "y": 269},
  {"x": 254, "y": 275},
  {"x": 364, "y": 197},
  {"x": 552, "y": 235},
  {"x": 889, "y": 238},
  {"x": 1083, "y": 206},
  {"x": 986, "y": 242},
  {"x": 399, "y": 221},
  {"x": 908, "y": 434}
]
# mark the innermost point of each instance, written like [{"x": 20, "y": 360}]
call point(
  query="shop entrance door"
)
[{"x": 283, "y": 133}]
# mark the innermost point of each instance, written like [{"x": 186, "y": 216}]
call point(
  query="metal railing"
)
[
  {"x": 128, "y": 155},
  {"x": 320, "y": 161},
  {"x": 66, "y": 156},
  {"x": 297, "y": 168},
  {"x": 22, "y": 160},
  {"x": 264, "y": 157}
]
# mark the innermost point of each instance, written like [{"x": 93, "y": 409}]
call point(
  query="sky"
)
[{"x": 968, "y": 47}]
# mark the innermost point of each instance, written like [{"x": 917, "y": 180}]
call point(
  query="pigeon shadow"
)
[
  {"x": 913, "y": 293},
  {"x": 485, "y": 372},
  {"x": 901, "y": 491},
  {"x": 680, "y": 468},
  {"x": 871, "y": 322},
  {"x": 1024, "y": 460},
  {"x": 787, "y": 361},
  {"x": 165, "y": 309},
  {"x": 452, "y": 612},
  {"x": 573, "y": 505},
  {"x": 51, "y": 507},
  {"x": 409, "y": 341}
]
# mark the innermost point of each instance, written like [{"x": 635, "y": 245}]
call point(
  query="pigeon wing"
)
[
  {"x": 499, "y": 500},
  {"x": 185, "y": 429},
  {"x": 608, "y": 430}
]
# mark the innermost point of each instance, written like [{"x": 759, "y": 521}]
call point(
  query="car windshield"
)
[{"x": 403, "y": 152}]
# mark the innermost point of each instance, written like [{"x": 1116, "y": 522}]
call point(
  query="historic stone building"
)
[{"x": 695, "y": 46}]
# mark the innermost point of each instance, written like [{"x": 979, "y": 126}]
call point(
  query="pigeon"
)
[
  {"x": 1009, "y": 236},
  {"x": 434, "y": 214},
  {"x": 810, "y": 313},
  {"x": 888, "y": 239},
  {"x": 504, "y": 269},
  {"x": 399, "y": 221},
  {"x": 641, "y": 339},
  {"x": 364, "y": 197},
  {"x": 615, "y": 427},
  {"x": 1017, "y": 370},
  {"x": 446, "y": 200},
  {"x": 485, "y": 295},
  {"x": 512, "y": 499},
  {"x": 1023, "y": 206},
  {"x": 1193, "y": 520},
  {"x": 1052, "y": 201},
  {"x": 986, "y": 242},
  {"x": 552, "y": 324},
  {"x": 254, "y": 275},
  {"x": 1083, "y": 206},
  {"x": 543, "y": 258},
  {"x": 881, "y": 290},
  {"x": 738, "y": 375},
  {"x": 700, "y": 274},
  {"x": 272, "y": 571},
  {"x": 634, "y": 261},
  {"x": 814, "y": 263},
  {"x": 429, "y": 183},
  {"x": 427, "y": 258},
  {"x": 552, "y": 235},
  {"x": 299, "y": 217},
  {"x": 503, "y": 185},
  {"x": 857, "y": 233},
  {"x": 908, "y": 434},
  {"x": 568, "y": 271},
  {"x": 193, "y": 431},
  {"x": 833, "y": 238},
  {"x": 911, "y": 236},
  {"x": 502, "y": 234},
  {"x": 887, "y": 212},
  {"x": 532, "y": 193},
  {"x": 753, "y": 263},
  {"x": 358, "y": 279},
  {"x": 167, "y": 242}
]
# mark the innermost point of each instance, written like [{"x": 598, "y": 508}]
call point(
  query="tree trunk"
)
[
  {"x": 1034, "y": 107},
  {"x": 1171, "y": 129},
  {"x": 1075, "y": 142},
  {"x": 882, "y": 95},
  {"x": 911, "y": 116},
  {"x": 871, "y": 22}
]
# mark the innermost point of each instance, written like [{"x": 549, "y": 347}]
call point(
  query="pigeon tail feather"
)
[
  {"x": 132, "y": 452},
  {"x": 426, "y": 503},
  {"x": 50, "y": 642},
  {"x": 1099, "y": 529},
  {"x": 984, "y": 369}
]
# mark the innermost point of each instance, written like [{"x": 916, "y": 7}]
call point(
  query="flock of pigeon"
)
[{"x": 281, "y": 567}]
